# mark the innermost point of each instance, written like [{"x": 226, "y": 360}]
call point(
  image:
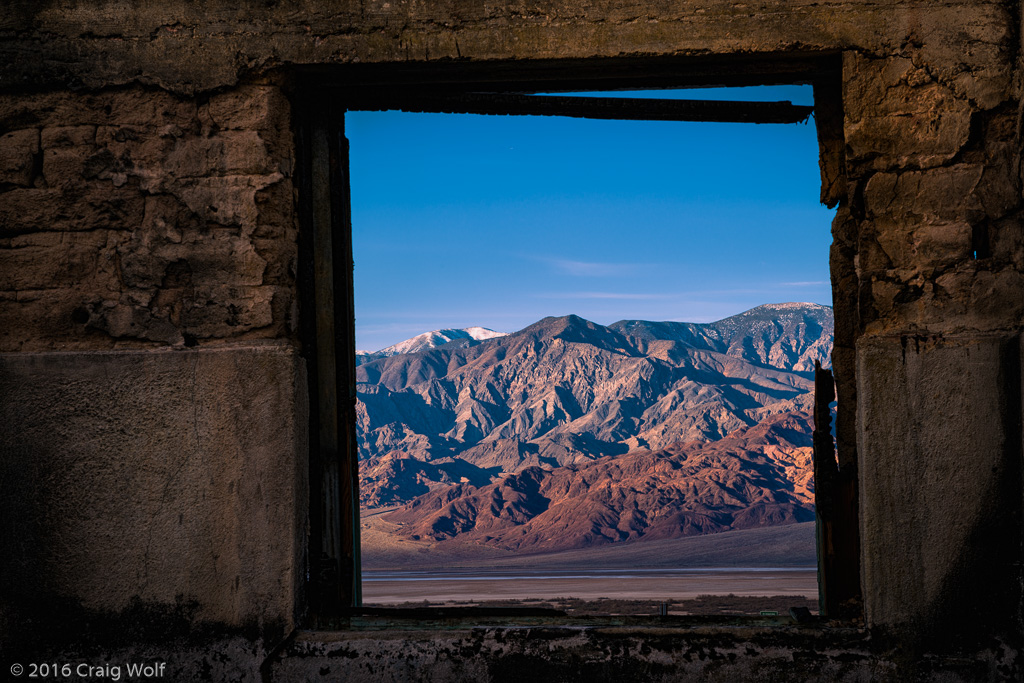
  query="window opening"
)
[{"x": 531, "y": 430}]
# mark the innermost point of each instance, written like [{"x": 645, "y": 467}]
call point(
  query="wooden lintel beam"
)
[{"x": 624, "y": 108}]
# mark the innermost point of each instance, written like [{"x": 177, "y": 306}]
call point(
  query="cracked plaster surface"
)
[{"x": 141, "y": 220}]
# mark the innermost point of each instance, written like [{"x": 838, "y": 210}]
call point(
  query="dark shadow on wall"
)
[{"x": 983, "y": 590}]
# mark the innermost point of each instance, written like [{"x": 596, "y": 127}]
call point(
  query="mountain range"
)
[
  {"x": 525, "y": 440},
  {"x": 429, "y": 340},
  {"x": 755, "y": 477}
]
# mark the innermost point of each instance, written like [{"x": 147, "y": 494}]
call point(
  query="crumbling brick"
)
[{"x": 17, "y": 157}]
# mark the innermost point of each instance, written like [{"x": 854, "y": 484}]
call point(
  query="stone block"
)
[
  {"x": 226, "y": 153},
  {"x": 101, "y": 107},
  {"x": 999, "y": 190},
  {"x": 39, "y": 320},
  {"x": 923, "y": 246},
  {"x": 213, "y": 257},
  {"x": 66, "y": 164},
  {"x": 87, "y": 206},
  {"x": 276, "y": 217},
  {"x": 966, "y": 296},
  {"x": 126, "y": 320},
  {"x": 223, "y": 310},
  {"x": 897, "y": 115},
  {"x": 939, "y": 483},
  {"x": 17, "y": 157},
  {"x": 68, "y": 136},
  {"x": 1006, "y": 241},
  {"x": 171, "y": 312},
  {"x": 227, "y": 200},
  {"x": 281, "y": 260},
  {"x": 979, "y": 298},
  {"x": 163, "y": 477},
  {"x": 981, "y": 72},
  {"x": 945, "y": 193},
  {"x": 138, "y": 150},
  {"x": 252, "y": 107},
  {"x": 138, "y": 107},
  {"x": 53, "y": 261}
]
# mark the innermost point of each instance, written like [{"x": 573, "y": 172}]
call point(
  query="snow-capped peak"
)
[
  {"x": 481, "y": 333},
  {"x": 791, "y": 305},
  {"x": 435, "y": 338}
]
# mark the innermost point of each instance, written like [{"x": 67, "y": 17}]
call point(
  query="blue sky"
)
[{"x": 498, "y": 221}]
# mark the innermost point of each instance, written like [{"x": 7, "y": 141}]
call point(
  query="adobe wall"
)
[
  {"x": 172, "y": 477},
  {"x": 151, "y": 380},
  {"x": 136, "y": 218},
  {"x": 155, "y": 399}
]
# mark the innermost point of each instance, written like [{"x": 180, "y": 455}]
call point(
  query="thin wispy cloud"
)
[
  {"x": 811, "y": 283},
  {"x": 592, "y": 268},
  {"x": 603, "y": 295},
  {"x": 695, "y": 296}
]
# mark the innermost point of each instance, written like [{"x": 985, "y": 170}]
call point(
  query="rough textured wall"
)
[
  {"x": 929, "y": 250},
  {"x": 149, "y": 374},
  {"x": 183, "y": 46},
  {"x": 134, "y": 217},
  {"x": 948, "y": 570},
  {"x": 936, "y": 195},
  {"x": 709, "y": 654},
  {"x": 151, "y": 205},
  {"x": 168, "y": 477}
]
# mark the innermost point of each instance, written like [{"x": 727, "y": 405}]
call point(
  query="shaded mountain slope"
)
[
  {"x": 788, "y": 336},
  {"x": 567, "y": 391},
  {"x": 758, "y": 476}
]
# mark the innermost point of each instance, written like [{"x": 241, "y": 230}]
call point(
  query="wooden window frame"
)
[{"x": 320, "y": 99}]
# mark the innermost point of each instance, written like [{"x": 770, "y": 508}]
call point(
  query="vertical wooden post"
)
[
  {"x": 825, "y": 477},
  {"x": 835, "y": 512},
  {"x": 345, "y": 353},
  {"x": 330, "y": 329}
]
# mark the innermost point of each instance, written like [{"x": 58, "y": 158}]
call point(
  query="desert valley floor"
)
[{"x": 775, "y": 561}]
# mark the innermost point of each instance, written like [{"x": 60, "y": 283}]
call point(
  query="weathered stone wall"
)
[
  {"x": 709, "y": 654},
  {"x": 149, "y": 375},
  {"x": 159, "y": 477},
  {"x": 940, "y": 489},
  {"x": 134, "y": 217},
  {"x": 929, "y": 253},
  {"x": 184, "y": 47},
  {"x": 935, "y": 185},
  {"x": 147, "y": 205}
]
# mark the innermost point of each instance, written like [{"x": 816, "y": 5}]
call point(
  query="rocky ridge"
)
[
  {"x": 567, "y": 391},
  {"x": 756, "y": 477}
]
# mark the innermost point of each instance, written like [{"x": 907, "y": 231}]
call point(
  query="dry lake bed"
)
[
  {"x": 396, "y": 587},
  {"x": 773, "y": 561}
]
